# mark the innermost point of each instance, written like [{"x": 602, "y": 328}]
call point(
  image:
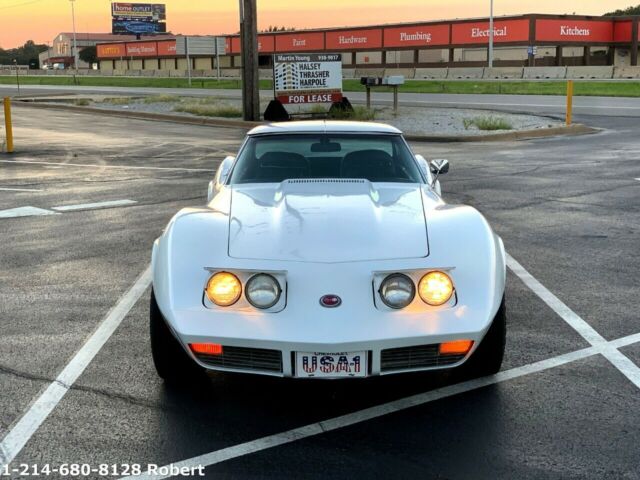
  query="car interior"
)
[{"x": 371, "y": 164}]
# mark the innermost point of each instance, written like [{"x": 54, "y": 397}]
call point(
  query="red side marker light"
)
[
  {"x": 457, "y": 347},
  {"x": 206, "y": 348}
]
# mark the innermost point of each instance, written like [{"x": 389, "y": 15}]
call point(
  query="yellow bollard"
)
[
  {"x": 8, "y": 124},
  {"x": 569, "y": 101}
]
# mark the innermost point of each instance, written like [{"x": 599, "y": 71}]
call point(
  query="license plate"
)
[{"x": 331, "y": 365}]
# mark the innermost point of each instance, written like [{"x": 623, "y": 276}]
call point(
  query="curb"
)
[{"x": 571, "y": 130}]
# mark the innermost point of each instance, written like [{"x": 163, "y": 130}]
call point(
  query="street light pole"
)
[
  {"x": 75, "y": 42},
  {"x": 491, "y": 34}
]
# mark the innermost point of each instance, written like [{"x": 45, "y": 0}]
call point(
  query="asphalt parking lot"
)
[{"x": 101, "y": 189}]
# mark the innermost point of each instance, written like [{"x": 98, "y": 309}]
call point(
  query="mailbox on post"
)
[{"x": 393, "y": 81}]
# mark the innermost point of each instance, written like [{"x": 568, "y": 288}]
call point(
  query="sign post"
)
[{"x": 569, "y": 102}]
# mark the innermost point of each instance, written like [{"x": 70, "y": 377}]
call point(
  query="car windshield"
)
[{"x": 275, "y": 158}]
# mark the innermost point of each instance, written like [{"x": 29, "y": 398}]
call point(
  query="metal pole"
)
[
  {"x": 186, "y": 48},
  {"x": 491, "y": 35},
  {"x": 15, "y": 64},
  {"x": 8, "y": 124},
  {"x": 75, "y": 42}
]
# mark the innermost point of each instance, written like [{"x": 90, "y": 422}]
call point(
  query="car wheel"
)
[
  {"x": 172, "y": 363},
  {"x": 487, "y": 359}
]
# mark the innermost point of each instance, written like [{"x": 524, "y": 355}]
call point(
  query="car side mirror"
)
[
  {"x": 222, "y": 174},
  {"x": 439, "y": 166}
]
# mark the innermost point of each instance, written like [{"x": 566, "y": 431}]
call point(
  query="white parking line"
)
[
  {"x": 40, "y": 409},
  {"x": 620, "y": 361},
  {"x": 25, "y": 212},
  {"x": 94, "y": 206},
  {"x": 21, "y": 190},
  {"x": 324, "y": 426},
  {"x": 131, "y": 167}
]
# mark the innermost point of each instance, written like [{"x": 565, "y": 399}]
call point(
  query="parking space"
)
[{"x": 568, "y": 211}]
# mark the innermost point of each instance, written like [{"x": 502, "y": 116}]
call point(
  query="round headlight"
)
[
  {"x": 397, "y": 291},
  {"x": 224, "y": 289},
  {"x": 435, "y": 288},
  {"x": 263, "y": 291}
]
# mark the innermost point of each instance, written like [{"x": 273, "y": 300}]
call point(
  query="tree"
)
[
  {"x": 275, "y": 28},
  {"x": 626, "y": 11},
  {"x": 24, "y": 55},
  {"x": 89, "y": 55}
]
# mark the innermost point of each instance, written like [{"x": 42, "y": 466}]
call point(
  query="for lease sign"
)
[{"x": 308, "y": 78}]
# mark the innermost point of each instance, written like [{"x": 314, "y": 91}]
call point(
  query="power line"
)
[{"x": 15, "y": 5}]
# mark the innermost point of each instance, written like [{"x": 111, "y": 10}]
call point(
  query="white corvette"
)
[{"x": 326, "y": 251}]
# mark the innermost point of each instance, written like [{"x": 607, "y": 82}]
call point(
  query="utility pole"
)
[
  {"x": 491, "y": 34},
  {"x": 249, "y": 42},
  {"x": 75, "y": 41}
]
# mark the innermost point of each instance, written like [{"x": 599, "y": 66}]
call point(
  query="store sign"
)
[
  {"x": 294, "y": 42},
  {"x": 479, "y": 32},
  {"x": 167, "y": 48},
  {"x": 307, "y": 78},
  {"x": 111, "y": 50},
  {"x": 142, "y": 49},
  {"x": 552, "y": 30},
  {"x": 416, "y": 36},
  {"x": 354, "y": 39}
]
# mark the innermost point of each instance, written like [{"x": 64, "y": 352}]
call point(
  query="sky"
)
[{"x": 42, "y": 20}]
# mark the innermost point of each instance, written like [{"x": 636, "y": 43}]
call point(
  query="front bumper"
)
[{"x": 267, "y": 344}]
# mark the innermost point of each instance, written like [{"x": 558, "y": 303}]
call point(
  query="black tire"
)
[
  {"x": 487, "y": 359},
  {"x": 172, "y": 363}
]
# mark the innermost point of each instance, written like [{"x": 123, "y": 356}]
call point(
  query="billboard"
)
[
  {"x": 307, "y": 78},
  {"x": 148, "y": 12},
  {"x": 138, "y": 18}
]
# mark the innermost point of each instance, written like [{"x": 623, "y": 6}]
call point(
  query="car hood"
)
[{"x": 327, "y": 221}]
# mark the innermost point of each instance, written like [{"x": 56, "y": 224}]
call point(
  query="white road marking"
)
[
  {"x": 638, "y": 179},
  {"x": 619, "y": 360},
  {"x": 40, "y": 409},
  {"x": 20, "y": 189},
  {"x": 25, "y": 212},
  {"x": 94, "y": 206},
  {"x": 371, "y": 413},
  {"x": 131, "y": 167}
]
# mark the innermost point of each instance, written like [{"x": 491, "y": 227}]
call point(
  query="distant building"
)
[{"x": 61, "y": 50}]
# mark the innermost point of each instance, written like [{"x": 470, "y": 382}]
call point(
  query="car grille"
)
[
  {"x": 241, "y": 358},
  {"x": 422, "y": 356},
  {"x": 326, "y": 180}
]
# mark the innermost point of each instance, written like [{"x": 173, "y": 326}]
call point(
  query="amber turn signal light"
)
[
  {"x": 206, "y": 348},
  {"x": 457, "y": 347}
]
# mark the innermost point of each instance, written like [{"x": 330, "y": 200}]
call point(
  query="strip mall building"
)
[{"x": 526, "y": 40}]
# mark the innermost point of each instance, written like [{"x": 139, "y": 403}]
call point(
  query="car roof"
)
[{"x": 324, "y": 126}]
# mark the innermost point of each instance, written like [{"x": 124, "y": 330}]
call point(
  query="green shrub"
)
[{"x": 82, "y": 102}]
